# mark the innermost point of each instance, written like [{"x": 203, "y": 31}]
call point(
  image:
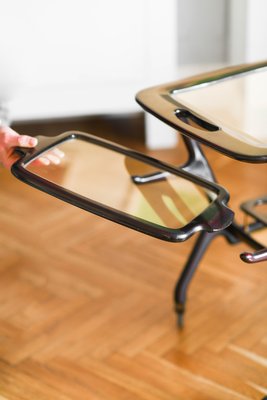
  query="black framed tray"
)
[{"x": 106, "y": 179}]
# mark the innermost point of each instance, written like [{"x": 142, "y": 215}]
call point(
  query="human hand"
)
[{"x": 9, "y": 140}]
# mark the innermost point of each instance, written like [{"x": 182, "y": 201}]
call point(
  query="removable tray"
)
[
  {"x": 126, "y": 187},
  {"x": 225, "y": 109}
]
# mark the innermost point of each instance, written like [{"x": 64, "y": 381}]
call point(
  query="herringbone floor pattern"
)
[{"x": 86, "y": 306}]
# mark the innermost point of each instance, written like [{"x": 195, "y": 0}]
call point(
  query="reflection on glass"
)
[
  {"x": 238, "y": 104},
  {"x": 105, "y": 176}
]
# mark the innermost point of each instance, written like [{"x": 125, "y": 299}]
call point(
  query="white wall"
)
[
  {"x": 256, "y": 48},
  {"x": 202, "y": 31},
  {"x": 65, "y": 57},
  {"x": 247, "y": 31},
  {"x": 221, "y": 31}
]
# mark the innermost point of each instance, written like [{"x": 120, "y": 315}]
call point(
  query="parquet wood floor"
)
[{"x": 86, "y": 305}]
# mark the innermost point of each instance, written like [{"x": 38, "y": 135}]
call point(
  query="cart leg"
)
[
  {"x": 180, "y": 290},
  {"x": 191, "y": 265}
]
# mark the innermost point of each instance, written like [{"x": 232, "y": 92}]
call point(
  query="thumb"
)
[{"x": 26, "y": 141}]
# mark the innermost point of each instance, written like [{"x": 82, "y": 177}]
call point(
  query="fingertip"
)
[
  {"x": 33, "y": 142},
  {"x": 27, "y": 141}
]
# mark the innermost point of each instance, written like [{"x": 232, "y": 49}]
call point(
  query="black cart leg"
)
[
  {"x": 180, "y": 290},
  {"x": 233, "y": 234}
]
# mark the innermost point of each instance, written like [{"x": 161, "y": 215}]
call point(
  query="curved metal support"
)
[
  {"x": 191, "y": 265},
  {"x": 156, "y": 177},
  {"x": 252, "y": 258},
  {"x": 197, "y": 163}
]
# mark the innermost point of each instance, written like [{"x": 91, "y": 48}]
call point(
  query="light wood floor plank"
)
[{"x": 86, "y": 306}]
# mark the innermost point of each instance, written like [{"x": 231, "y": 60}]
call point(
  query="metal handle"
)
[{"x": 252, "y": 258}]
